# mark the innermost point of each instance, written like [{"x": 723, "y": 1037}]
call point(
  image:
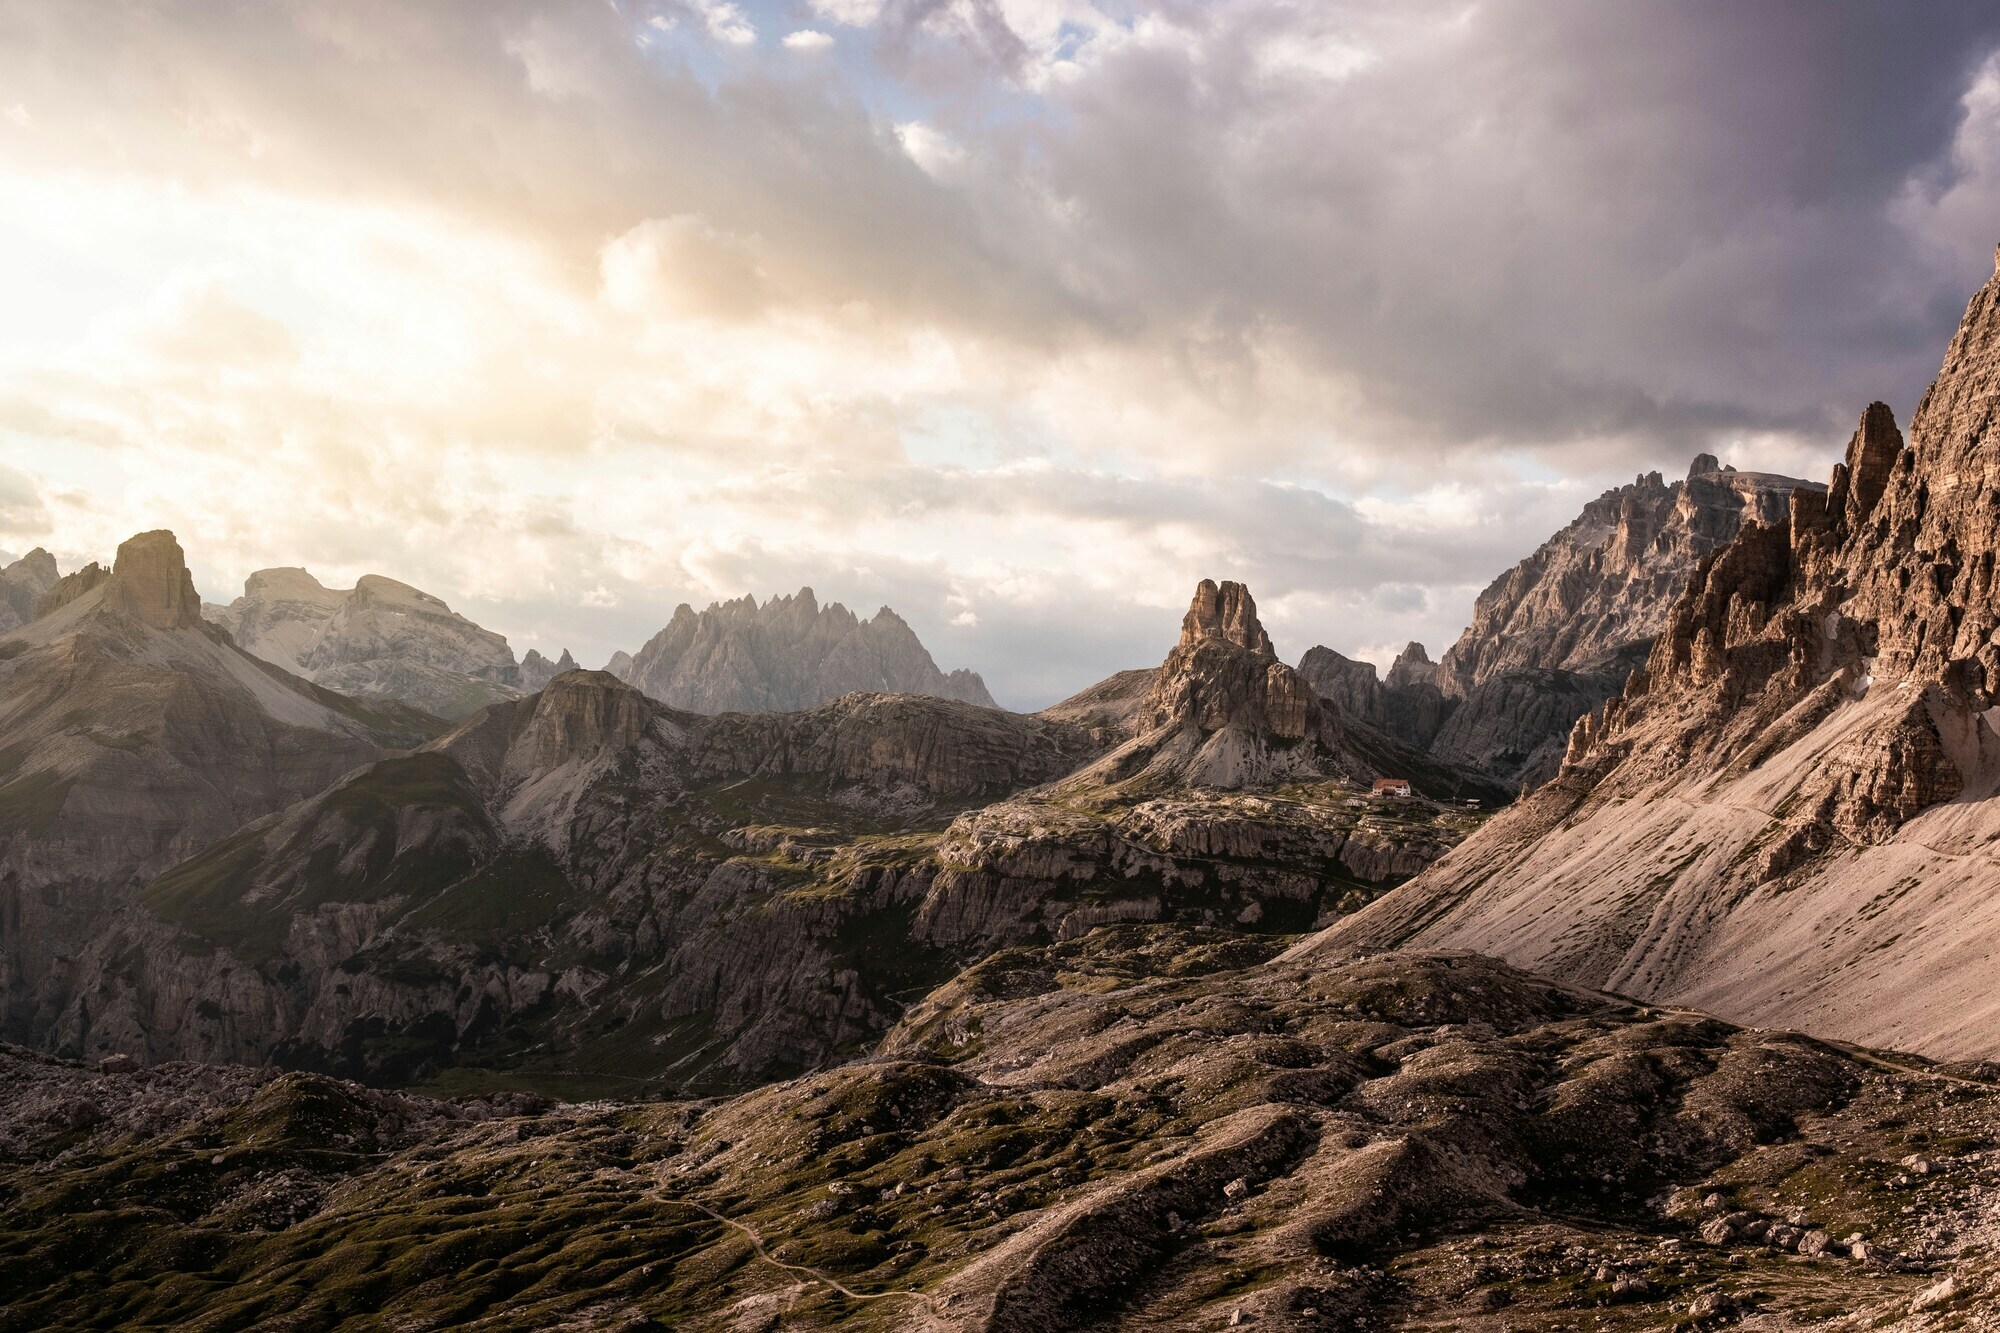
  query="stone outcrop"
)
[
  {"x": 69, "y": 588},
  {"x": 380, "y": 639},
  {"x": 22, "y": 586},
  {"x": 1409, "y": 706},
  {"x": 1592, "y": 599},
  {"x": 1558, "y": 634},
  {"x": 787, "y": 654},
  {"x": 1785, "y": 816},
  {"x": 537, "y": 671},
  {"x": 150, "y": 582},
  {"x": 1223, "y": 712}
]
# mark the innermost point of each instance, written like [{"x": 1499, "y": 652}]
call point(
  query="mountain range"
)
[{"x": 777, "y": 979}]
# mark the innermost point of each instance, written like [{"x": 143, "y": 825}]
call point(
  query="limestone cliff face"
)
[
  {"x": 1555, "y": 636},
  {"x": 787, "y": 654},
  {"x": 279, "y": 615},
  {"x": 1787, "y": 815},
  {"x": 1594, "y": 596},
  {"x": 132, "y": 735},
  {"x": 1409, "y": 705},
  {"x": 22, "y": 586},
  {"x": 1517, "y": 725},
  {"x": 380, "y": 639}
]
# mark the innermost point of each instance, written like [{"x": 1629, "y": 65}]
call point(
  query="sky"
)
[{"x": 1019, "y": 316}]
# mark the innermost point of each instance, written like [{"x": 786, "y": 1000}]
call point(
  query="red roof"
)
[{"x": 1390, "y": 784}]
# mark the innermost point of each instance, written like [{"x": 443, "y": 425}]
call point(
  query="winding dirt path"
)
[{"x": 757, "y": 1244}]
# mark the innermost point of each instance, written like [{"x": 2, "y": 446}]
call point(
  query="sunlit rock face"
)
[
  {"x": 1785, "y": 816},
  {"x": 380, "y": 639},
  {"x": 1593, "y": 598},
  {"x": 1555, "y": 636},
  {"x": 789, "y": 653}
]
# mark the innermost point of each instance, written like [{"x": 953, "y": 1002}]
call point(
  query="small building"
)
[{"x": 1392, "y": 787}]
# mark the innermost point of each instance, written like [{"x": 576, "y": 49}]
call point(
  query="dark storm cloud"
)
[{"x": 1546, "y": 222}]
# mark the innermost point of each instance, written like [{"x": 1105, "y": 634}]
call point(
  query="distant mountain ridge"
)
[
  {"x": 381, "y": 639},
  {"x": 1592, "y": 598},
  {"x": 787, "y": 654}
]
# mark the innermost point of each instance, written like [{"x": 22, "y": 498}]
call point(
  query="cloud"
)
[{"x": 1020, "y": 315}]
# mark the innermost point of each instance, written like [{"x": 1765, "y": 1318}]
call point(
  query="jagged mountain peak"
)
[
  {"x": 1592, "y": 598},
  {"x": 1222, "y": 711},
  {"x": 1413, "y": 666},
  {"x": 789, "y": 653},
  {"x": 537, "y": 670},
  {"x": 1228, "y": 612}
]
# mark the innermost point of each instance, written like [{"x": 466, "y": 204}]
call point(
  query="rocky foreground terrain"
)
[
  {"x": 1787, "y": 817},
  {"x": 790, "y": 653},
  {"x": 1148, "y": 1127}
]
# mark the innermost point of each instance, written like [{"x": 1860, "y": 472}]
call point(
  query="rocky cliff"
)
[
  {"x": 789, "y": 653},
  {"x": 1788, "y": 815},
  {"x": 1556, "y": 635},
  {"x": 23, "y": 585},
  {"x": 1593, "y": 598},
  {"x": 380, "y": 639},
  {"x": 1223, "y": 712},
  {"x": 131, "y": 734}
]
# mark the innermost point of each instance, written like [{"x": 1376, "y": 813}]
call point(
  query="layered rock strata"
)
[{"x": 380, "y": 639}]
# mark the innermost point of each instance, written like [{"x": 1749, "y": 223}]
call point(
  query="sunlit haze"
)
[{"x": 1018, "y": 316}]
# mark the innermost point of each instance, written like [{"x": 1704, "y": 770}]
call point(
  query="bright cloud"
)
[{"x": 1018, "y": 315}]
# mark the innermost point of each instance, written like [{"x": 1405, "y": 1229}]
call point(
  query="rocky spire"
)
[
  {"x": 150, "y": 582},
  {"x": 1223, "y": 672},
  {"x": 1870, "y": 456},
  {"x": 1413, "y": 666},
  {"x": 1225, "y": 611}
]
